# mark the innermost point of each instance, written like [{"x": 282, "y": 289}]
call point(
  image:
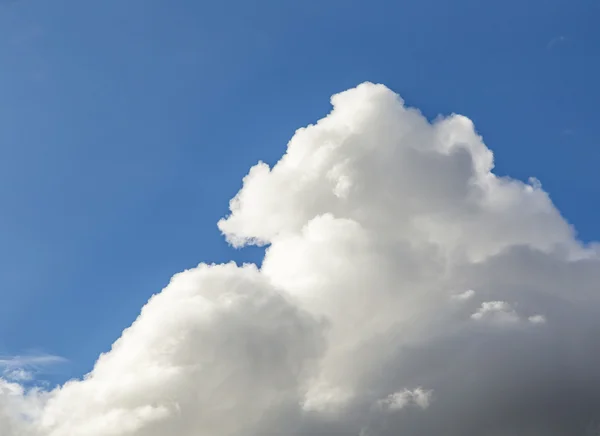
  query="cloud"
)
[
  {"x": 556, "y": 41},
  {"x": 537, "y": 319},
  {"x": 18, "y": 375},
  {"x": 370, "y": 218},
  {"x": 399, "y": 400},
  {"x": 25, "y": 368},
  {"x": 502, "y": 313},
  {"x": 33, "y": 360},
  {"x": 496, "y": 311},
  {"x": 464, "y": 296}
]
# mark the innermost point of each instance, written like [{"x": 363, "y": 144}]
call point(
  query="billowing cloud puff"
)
[{"x": 405, "y": 290}]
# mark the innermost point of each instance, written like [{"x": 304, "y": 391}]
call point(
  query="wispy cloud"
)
[
  {"x": 464, "y": 296},
  {"x": 18, "y": 374},
  {"x": 30, "y": 360},
  {"x": 556, "y": 41},
  {"x": 24, "y": 368}
]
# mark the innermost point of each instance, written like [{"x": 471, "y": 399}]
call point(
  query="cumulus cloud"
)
[{"x": 350, "y": 326}]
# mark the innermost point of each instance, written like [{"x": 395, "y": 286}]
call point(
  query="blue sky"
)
[{"x": 126, "y": 127}]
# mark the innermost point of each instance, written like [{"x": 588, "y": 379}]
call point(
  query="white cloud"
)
[
  {"x": 464, "y": 296},
  {"x": 18, "y": 375},
  {"x": 370, "y": 216},
  {"x": 496, "y": 311},
  {"x": 325, "y": 399},
  {"x": 33, "y": 360},
  {"x": 537, "y": 319},
  {"x": 24, "y": 368},
  {"x": 399, "y": 400},
  {"x": 502, "y": 313}
]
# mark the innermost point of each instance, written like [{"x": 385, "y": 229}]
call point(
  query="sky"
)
[{"x": 127, "y": 127}]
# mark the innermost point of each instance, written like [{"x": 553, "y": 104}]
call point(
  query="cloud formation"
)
[
  {"x": 353, "y": 325},
  {"x": 24, "y": 368}
]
